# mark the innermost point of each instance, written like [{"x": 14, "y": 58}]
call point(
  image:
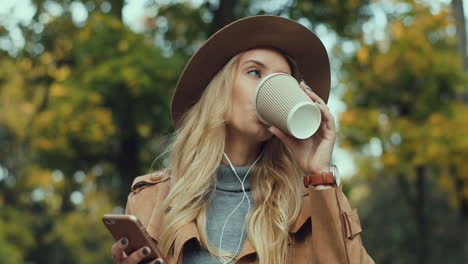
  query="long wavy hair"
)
[{"x": 196, "y": 151}]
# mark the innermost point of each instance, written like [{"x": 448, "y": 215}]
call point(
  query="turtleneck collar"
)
[{"x": 227, "y": 180}]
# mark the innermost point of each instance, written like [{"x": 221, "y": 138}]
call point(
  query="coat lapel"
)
[
  {"x": 247, "y": 249},
  {"x": 190, "y": 231},
  {"x": 304, "y": 214},
  {"x": 186, "y": 233}
]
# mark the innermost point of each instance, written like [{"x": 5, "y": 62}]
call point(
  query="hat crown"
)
[{"x": 281, "y": 33}]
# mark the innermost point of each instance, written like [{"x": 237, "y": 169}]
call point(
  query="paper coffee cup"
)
[{"x": 280, "y": 101}]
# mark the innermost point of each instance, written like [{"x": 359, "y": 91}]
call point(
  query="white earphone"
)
[{"x": 240, "y": 203}]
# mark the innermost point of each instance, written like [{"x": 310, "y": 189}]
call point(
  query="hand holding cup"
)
[{"x": 309, "y": 135}]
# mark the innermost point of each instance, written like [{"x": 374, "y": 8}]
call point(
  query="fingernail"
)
[
  {"x": 123, "y": 241},
  {"x": 145, "y": 251}
]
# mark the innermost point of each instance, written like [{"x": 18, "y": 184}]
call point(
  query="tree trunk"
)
[
  {"x": 128, "y": 162},
  {"x": 116, "y": 8},
  {"x": 421, "y": 216},
  {"x": 417, "y": 205},
  {"x": 223, "y": 15},
  {"x": 460, "y": 23},
  {"x": 128, "y": 156}
]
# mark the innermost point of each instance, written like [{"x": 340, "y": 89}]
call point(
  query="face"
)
[{"x": 253, "y": 65}]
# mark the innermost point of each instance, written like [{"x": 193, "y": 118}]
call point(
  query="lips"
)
[{"x": 261, "y": 123}]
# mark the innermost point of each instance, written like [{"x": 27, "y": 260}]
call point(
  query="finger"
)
[
  {"x": 286, "y": 139},
  {"x": 311, "y": 94},
  {"x": 118, "y": 248},
  {"x": 138, "y": 255},
  {"x": 327, "y": 116},
  {"x": 158, "y": 261}
]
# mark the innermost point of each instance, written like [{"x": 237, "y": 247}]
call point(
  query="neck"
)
[{"x": 241, "y": 150}]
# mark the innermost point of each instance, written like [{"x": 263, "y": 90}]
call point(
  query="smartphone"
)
[{"x": 130, "y": 227}]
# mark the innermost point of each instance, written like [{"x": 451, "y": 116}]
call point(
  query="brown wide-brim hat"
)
[{"x": 284, "y": 34}]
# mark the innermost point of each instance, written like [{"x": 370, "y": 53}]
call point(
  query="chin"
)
[
  {"x": 262, "y": 134},
  {"x": 266, "y": 138}
]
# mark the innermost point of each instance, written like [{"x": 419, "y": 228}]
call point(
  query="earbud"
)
[{"x": 240, "y": 203}]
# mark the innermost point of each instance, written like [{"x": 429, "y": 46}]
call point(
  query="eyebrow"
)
[{"x": 259, "y": 63}]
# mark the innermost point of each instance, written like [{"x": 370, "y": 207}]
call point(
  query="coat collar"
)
[
  {"x": 184, "y": 234},
  {"x": 190, "y": 231},
  {"x": 304, "y": 214}
]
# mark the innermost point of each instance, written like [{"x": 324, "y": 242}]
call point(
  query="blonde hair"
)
[{"x": 195, "y": 154}]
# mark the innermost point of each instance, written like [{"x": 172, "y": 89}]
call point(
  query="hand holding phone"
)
[{"x": 134, "y": 244}]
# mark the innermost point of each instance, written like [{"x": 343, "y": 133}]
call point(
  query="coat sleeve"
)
[
  {"x": 138, "y": 184},
  {"x": 339, "y": 223},
  {"x": 129, "y": 206},
  {"x": 144, "y": 201}
]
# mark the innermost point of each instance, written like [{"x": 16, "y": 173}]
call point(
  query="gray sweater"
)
[{"x": 223, "y": 200}]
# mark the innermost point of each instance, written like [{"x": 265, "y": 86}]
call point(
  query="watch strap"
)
[{"x": 324, "y": 178}]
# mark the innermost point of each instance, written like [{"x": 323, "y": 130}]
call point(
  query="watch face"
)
[{"x": 336, "y": 174}]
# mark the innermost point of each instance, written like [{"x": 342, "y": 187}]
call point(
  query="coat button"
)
[{"x": 155, "y": 177}]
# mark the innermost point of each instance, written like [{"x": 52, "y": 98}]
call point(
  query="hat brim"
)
[{"x": 285, "y": 34}]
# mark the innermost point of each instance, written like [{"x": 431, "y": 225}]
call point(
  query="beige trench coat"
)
[{"x": 326, "y": 231}]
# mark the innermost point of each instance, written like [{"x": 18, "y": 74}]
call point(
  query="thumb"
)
[{"x": 288, "y": 140}]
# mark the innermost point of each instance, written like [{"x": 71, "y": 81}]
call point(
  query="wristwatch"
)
[{"x": 331, "y": 177}]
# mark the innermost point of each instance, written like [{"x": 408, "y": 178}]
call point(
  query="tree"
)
[
  {"x": 85, "y": 108},
  {"x": 400, "y": 94},
  {"x": 65, "y": 112},
  {"x": 460, "y": 23}
]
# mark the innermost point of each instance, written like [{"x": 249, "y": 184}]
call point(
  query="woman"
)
[{"x": 236, "y": 191}]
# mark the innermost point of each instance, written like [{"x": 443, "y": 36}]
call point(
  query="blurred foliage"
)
[
  {"x": 169, "y": 23},
  {"x": 390, "y": 233},
  {"x": 406, "y": 87},
  {"x": 404, "y": 120},
  {"x": 78, "y": 122},
  {"x": 84, "y": 108}
]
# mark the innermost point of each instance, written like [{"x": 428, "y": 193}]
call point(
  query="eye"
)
[{"x": 256, "y": 71}]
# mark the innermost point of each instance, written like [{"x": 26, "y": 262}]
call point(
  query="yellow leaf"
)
[
  {"x": 37, "y": 176},
  {"x": 396, "y": 29},
  {"x": 144, "y": 130},
  {"x": 347, "y": 117},
  {"x": 62, "y": 73},
  {"x": 25, "y": 64},
  {"x": 43, "y": 143},
  {"x": 57, "y": 90},
  {"x": 95, "y": 98},
  {"x": 46, "y": 58},
  {"x": 123, "y": 45},
  {"x": 446, "y": 182},
  {"x": 390, "y": 158},
  {"x": 363, "y": 55}
]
